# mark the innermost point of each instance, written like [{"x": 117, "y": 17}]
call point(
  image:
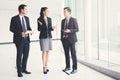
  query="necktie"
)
[
  {"x": 65, "y": 35},
  {"x": 23, "y": 25},
  {"x": 66, "y": 23}
]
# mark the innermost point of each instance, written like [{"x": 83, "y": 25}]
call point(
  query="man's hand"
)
[
  {"x": 23, "y": 34},
  {"x": 29, "y": 32},
  {"x": 67, "y": 31}
]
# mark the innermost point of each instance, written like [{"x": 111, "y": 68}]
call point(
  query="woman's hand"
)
[
  {"x": 40, "y": 22},
  {"x": 31, "y": 32},
  {"x": 54, "y": 27}
]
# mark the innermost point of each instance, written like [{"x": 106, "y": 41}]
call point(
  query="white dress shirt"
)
[{"x": 24, "y": 21}]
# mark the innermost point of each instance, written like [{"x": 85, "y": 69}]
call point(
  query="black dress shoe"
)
[
  {"x": 20, "y": 75},
  {"x": 47, "y": 70},
  {"x": 74, "y": 71},
  {"x": 66, "y": 69},
  {"x": 26, "y": 72}
]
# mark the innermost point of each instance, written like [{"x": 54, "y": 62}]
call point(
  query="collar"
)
[{"x": 67, "y": 18}]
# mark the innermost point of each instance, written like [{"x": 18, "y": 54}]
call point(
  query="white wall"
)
[{"x": 9, "y": 8}]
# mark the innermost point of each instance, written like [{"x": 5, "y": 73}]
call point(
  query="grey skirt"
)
[{"x": 46, "y": 44}]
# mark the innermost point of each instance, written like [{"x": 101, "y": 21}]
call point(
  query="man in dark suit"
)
[
  {"x": 69, "y": 27},
  {"x": 20, "y": 26}
]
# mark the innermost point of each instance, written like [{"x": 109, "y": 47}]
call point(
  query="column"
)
[{"x": 88, "y": 24}]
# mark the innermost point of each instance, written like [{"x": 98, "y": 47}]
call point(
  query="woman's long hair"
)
[{"x": 41, "y": 12}]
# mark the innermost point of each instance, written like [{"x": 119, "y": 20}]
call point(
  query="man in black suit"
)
[
  {"x": 69, "y": 27},
  {"x": 20, "y": 26}
]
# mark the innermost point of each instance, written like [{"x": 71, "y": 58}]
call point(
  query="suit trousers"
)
[
  {"x": 68, "y": 46},
  {"x": 22, "y": 54}
]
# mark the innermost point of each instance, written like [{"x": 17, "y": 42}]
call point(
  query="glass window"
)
[{"x": 77, "y": 7}]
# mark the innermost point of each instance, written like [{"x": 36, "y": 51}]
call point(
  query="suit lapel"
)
[
  {"x": 64, "y": 22},
  {"x": 64, "y": 25},
  {"x": 26, "y": 20},
  {"x": 19, "y": 21},
  {"x": 70, "y": 20},
  {"x": 45, "y": 22}
]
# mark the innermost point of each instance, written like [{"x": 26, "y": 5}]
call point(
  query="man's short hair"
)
[
  {"x": 21, "y": 7},
  {"x": 68, "y": 9}
]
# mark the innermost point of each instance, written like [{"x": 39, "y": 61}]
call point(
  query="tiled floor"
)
[{"x": 56, "y": 64}]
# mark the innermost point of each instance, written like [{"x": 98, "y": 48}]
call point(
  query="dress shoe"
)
[
  {"x": 47, "y": 70},
  {"x": 74, "y": 71},
  {"x": 66, "y": 69},
  {"x": 26, "y": 72},
  {"x": 20, "y": 75}
]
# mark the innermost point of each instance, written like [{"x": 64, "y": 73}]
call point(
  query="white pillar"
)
[
  {"x": 62, "y": 9},
  {"x": 88, "y": 24}
]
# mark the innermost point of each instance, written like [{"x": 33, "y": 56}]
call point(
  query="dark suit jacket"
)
[
  {"x": 43, "y": 28},
  {"x": 16, "y": 28},
  {"x": 73, "y": 26}
]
